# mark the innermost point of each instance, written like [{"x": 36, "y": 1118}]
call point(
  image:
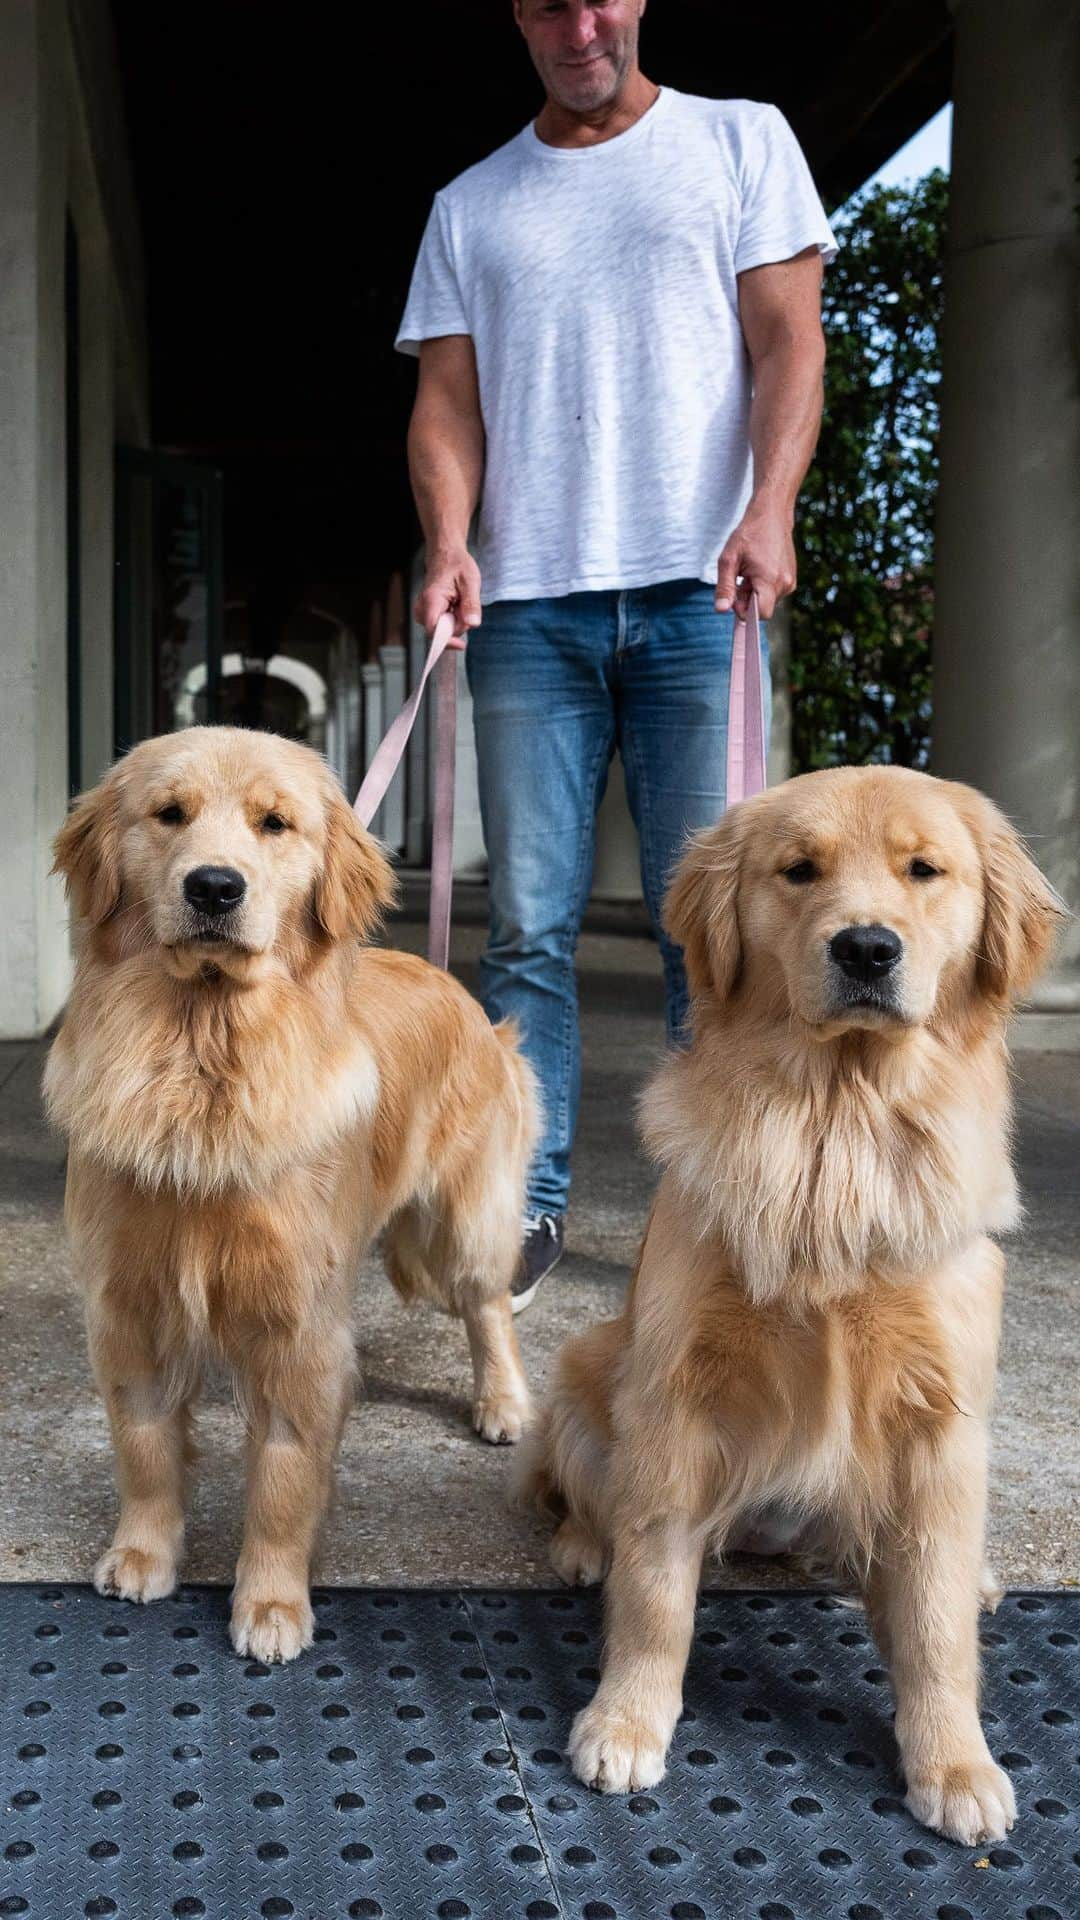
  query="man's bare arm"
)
[
  {"x": 446, "y": 466},
  {"x": 780, "y": 310}
]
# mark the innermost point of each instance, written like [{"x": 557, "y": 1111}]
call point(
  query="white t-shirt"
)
[{"x": 598, "y": 285}]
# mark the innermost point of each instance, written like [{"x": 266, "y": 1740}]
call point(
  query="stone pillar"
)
[
  {"x": 1007, "y": 617},
  {"x": 34, "y": 950},
  {"x": 97, "y": 435}
]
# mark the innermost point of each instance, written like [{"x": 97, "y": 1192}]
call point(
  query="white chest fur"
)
[{"x": 230, "y": 1098}]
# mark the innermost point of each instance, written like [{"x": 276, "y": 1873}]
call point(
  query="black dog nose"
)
[
  {"x": 866, "y": 953},
  {"x": 214, "y": 890}
]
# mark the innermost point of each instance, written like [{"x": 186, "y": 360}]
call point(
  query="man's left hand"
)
[{"x": 759, "y": 558}]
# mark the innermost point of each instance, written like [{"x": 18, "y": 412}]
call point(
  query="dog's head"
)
[
  {"x": 229, "y": 853},
  {"x": 874, "y": 898}
]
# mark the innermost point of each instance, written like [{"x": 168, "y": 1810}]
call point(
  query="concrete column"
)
[
  {"x": 1007, "y": 616},
  {"x": 97, "y": 407},
  {"x": 34, "y": 949}
]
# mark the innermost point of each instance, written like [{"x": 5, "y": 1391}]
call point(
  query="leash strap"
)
[
  {"x": 442, "y": 831},
  {"x": 745, "y": 752},
  {"x": 746, "y": 711},
  {"x": 440, "y": 661}
]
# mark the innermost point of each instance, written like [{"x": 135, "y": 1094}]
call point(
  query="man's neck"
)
[{"x": 557, "y": 126}]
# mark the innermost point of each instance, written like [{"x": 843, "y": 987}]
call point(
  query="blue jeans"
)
[{"x": 557, "y": 685}]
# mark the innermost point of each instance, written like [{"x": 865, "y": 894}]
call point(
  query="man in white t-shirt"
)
[{"x": 617, "y": 316}]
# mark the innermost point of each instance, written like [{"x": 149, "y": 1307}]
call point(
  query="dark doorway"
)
[
  {"x": 285, "y": 162},
  {"x": 169, "y": 593}
]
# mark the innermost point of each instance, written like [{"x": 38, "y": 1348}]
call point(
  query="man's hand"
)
[
  {"x": 759, "y": 558},
  {"x": 451, "y": 585}
]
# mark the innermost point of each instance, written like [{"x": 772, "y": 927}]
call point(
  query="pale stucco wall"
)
[{"x": 62, "y": 146}]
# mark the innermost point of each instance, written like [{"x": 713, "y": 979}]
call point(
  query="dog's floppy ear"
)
[
  {"x": 1021, "y": 911},
  {"x": 355, "y": 885},
  {"x": 87, "y": 850},
  {"x": 700, "y": 910}
]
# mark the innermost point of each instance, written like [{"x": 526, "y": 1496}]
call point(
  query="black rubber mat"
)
[{"x": 412, "y": 1765}]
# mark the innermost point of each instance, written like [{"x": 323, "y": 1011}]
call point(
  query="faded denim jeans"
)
[{"x": 557, "y": 685}]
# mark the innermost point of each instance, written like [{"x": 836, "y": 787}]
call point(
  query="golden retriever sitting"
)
[
  {"x": 250, "y": 1096},
  {"x": 814, "y": 1317}
]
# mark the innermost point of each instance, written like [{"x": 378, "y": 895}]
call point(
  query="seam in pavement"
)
[{"x": 511, "y": 1747}]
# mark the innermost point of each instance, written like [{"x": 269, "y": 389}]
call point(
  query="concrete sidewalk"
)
[{"x": 420, "y": 1500}]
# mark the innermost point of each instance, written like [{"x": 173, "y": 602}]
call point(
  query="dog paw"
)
[
  {"x": 501, "y": 1417},
  {"x": 577, "y": 1555},
  {"x": 614, "y": 1753},
  {"x": 972, "y": 1804},
  {"x": 990, "y": 1593},
  {"x": 272, "y": 1630},
  {"x": 131, "y": 1574}
]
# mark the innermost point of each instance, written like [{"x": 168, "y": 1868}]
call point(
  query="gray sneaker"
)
[{"x": 541, "y": 1250}]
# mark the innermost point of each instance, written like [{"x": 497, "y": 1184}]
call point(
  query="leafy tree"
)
[{"x": 862, "y": 620}]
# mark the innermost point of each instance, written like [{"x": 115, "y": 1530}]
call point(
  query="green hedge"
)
[{"x": 862, "y": 617}]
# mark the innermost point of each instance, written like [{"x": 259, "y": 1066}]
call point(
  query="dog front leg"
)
[
  {"x": 150, "y": 1440},
  {"x": 925, "y": 1595},
  {"x": 619, "y": 1742},
  {"x": 297, "y": 1401}
]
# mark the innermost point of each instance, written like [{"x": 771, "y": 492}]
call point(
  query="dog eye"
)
[
  {"x": 273, "y": 823},
  {"x": 800, "y": 873},
  {"x": 922, "y": 870},
  {"x": 170, "y": 816}
]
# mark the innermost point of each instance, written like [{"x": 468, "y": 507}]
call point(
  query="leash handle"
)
[
  {"x": 442, "y": 831},
  {"x": 746, "y": 710},
  {"x": 387, "y": 759}
]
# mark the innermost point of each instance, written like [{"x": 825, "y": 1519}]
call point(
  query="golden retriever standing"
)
[
  {"x": 249, "y": 1096},
  {"x": 813, "y": 1322}
]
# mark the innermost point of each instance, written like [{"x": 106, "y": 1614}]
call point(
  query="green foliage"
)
[{"x": 862, "y": 618}]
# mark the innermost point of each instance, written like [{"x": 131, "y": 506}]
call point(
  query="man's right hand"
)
[{"x": 451, "y": 585}]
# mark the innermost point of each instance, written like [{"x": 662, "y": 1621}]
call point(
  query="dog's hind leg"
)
[
  {"x": 563, "y": 1471},
  {"x": 501, "y": 1403},
  {"x": 430, "y": 1257},
  {"x": 461, "y": 1249},
  {"x": 577, "y": 1554}
]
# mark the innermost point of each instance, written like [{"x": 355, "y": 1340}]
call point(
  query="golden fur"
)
[
  {"x": 812, "y": 1327},
  {"x": 247, "y": 1105}
]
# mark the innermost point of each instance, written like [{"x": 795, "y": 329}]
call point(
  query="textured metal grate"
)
[{"x": 412, "y": 1766}]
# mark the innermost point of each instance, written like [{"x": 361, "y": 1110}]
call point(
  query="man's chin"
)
[{"x": 587, "y": 92}]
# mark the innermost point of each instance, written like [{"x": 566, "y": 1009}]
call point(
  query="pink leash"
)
[
  {"x": 746, "y": 711},
  {"x": 745, "y": 752},
  {"x": 387, "y": 759}
]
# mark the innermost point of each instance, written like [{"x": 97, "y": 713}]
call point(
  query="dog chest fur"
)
[
  {"x": 817, "y": 1408},
  {"x": 216, "y": 1272},
  {"x": 808, "y": 1186},
  {"x": 200, "y": 1094}
]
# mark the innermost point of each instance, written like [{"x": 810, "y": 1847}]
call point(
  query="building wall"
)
[{"x": 61, "y": 148}]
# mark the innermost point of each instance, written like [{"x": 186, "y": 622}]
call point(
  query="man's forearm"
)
[
  {"x": 446, "y": 466},
  {"x": 785, "y": 416}
]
